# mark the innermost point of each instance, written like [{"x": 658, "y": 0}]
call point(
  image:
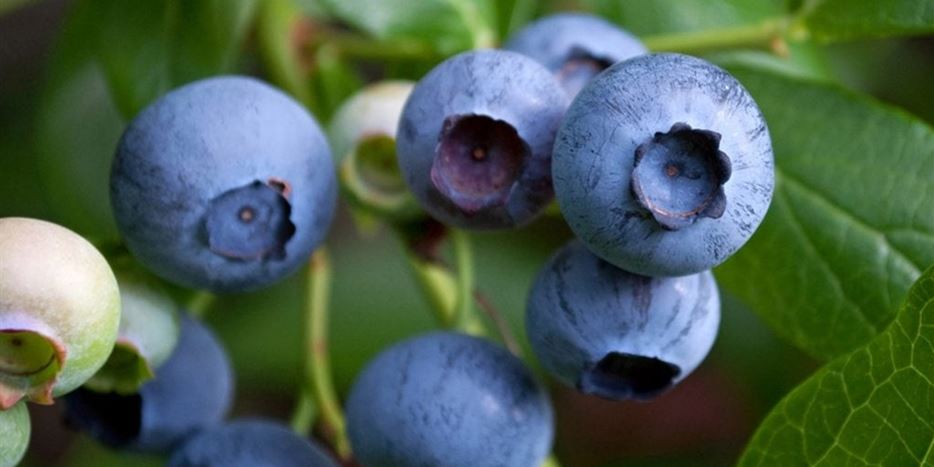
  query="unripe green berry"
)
[
  {"x": 59, "y": 311},
  {"x": 14, "y": 434}
]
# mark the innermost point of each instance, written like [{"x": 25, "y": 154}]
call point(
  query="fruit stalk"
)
[
  {"x": 768, "y": 35},
  {"x": 465, "y": 318},
  {"x": 318, "y": 369}
]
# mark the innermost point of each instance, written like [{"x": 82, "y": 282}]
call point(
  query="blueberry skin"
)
[
  {"x": 448, "y": 399},
  {"x": 575, "y": 46},
  {"x": 248, "y": 443},
  {"x": 224, "y": 184},
  {"x": 615, "y": 334},
  {"x": 652, "y": 106},
  {"x": 192, "y": 390},
  {"x": 484, "y": 100}
]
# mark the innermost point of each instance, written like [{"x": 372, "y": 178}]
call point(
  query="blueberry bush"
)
[{"x": 466, "y": 232}]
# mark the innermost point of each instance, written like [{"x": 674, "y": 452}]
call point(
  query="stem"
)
[
  {"x": 200, "y": 303},
  {"x": 304, "y": 415},
  {"x": 502, "y": 326},
  {"x": 464, "y": 319},
  {"x": 765, "y": 35},
  {"x": 318, "y": 367},
  {"x": 437, "y": 286},
  {"x": 361, "y": 47}
]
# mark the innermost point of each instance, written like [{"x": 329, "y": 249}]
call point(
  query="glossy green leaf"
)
[
  {"x": 77, "y": 130},
  {"x": 149, "y": 47},
  {"x": 670, "y": 16},
  {"x": 449, "y": 25},
  {"x": 850, "y": 226},
  {"x": 874, "y": 406},
  {"x": 835, "y": 20}
]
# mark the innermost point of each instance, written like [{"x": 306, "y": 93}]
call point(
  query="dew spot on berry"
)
[
  {"x": 477, "y": 161},
  {"x": 621, "y": 375},
  {"x": 251, "y": 222},
  {"x": 678, "y": 176}
]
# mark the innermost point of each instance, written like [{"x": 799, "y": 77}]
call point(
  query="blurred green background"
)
[{"x": 59, "y": 121}]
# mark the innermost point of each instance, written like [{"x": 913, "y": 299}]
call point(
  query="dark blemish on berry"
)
[{"x": 678, "y": 176}]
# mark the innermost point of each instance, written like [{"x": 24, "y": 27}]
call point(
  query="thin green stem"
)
[
  {"x": 360, "y": 47},
  {"x": 200, "y": 303},
  {"x": 768, "y": 35},
  {"x": 318, "y": 367},
  {"x": 438, "y": 287},
  {"x": 303, "y": 417},
  {"x": 465, "y": 319}
]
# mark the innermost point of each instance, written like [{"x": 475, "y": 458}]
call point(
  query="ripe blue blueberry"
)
[
  {"x": 663, "y": 165},
  {"x": 225, "y": 184},
  {"x": 615, "y": 334},
  {"x": 249, "y": 443},
  {"x": 475, "y": 139},
  {"x": 192, "y": 390},
  {"x": 448, "y": 399},
  {"x": 575, "y": 46}
]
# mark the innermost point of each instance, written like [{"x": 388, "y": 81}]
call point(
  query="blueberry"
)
[
  {"x": 615, "y": 334},
  {"x": 249, "y": 443},
  {"x": 59, "y": 311},
  {"x": 192, "y": 390},
  {"x": 448, "y": 399},
  {"x": 663, "y": 165},
  {"x": 575, "y": 46},
  {"x": 475, "y": 138},
  {"x": 225, "y": 184},
  {"x": 14, "y": 434}
]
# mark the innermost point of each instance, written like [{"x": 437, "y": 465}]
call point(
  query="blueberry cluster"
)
[{"x": 661, "y": 164}]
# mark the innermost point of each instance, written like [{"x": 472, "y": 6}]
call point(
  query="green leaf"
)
[
  {"x": 850, "y": 226},
  {"x": 672, "y": 16},
  {"x": 874, "y": 406},
  {"x": 112, "y": 58},
  {"x": 449, "y": 25},
  {"x": 76, "y": 133},
  {"x": 333, "y": 80},
  {"x": 837, "y": 20},
  {"x": 147, "y": 48}
]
